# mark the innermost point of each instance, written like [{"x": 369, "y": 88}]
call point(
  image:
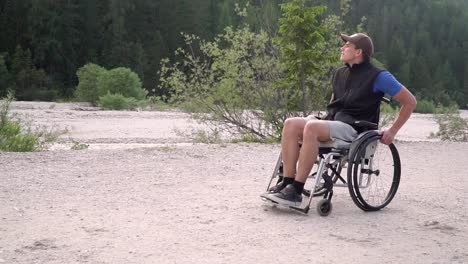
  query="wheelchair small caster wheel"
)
[{"x": 324, "y": 207}]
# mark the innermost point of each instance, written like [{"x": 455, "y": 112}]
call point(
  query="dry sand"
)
[{"x": 141, "y": 193}]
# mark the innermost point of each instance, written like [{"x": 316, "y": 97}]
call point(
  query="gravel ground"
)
[{"x": 141, "y": 193}]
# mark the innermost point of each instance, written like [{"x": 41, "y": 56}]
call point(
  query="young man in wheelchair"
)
[{"x": 358, "y": 88}]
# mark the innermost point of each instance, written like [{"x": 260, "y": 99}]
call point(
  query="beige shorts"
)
[{"x": 338, "y": 129}]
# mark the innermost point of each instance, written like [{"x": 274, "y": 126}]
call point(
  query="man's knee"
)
[
  {"x": 294, "y": 123},
  {"x": 317, "y": 129}
]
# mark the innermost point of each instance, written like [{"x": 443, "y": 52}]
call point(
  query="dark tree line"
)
[
  {"x": 44, "y": 42},
  {"x": 425, "y": 43},
  {"x": 52, "y": 39}
]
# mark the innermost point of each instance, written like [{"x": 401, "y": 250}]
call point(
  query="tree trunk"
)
[
  {"x": 303, "y": 89},
  {"x": 465, "y": 81}
]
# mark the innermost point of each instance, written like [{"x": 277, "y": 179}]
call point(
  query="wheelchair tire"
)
[
  {"x": 368, "y": 175},
  {"x": 324, "y": 207}
]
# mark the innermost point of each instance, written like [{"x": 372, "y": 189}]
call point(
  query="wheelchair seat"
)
[{"x": 335, "y": 143}]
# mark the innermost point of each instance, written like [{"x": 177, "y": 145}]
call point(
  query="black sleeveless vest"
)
[{"x": 353, "y": 95}]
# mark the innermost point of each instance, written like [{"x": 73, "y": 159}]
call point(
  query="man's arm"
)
[{"x": 408, "y": 103}]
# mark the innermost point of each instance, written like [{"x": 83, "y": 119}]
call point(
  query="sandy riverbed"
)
[{"x": 142, "y": 193}]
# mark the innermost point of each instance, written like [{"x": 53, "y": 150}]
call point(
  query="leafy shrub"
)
[
  {"x": 232, "y": 74},
  {"x": 157, "y": 103},
  {"x": 387, "y": 114},
  {"x": 452, "y": 127},
  {"x": 121, "y": 81},
  {"x": 425, "y": 107},
  {"x": 87, "y": 89},
  {"x": 12, "y": 139},
  {"x": 78, "y": 146},
  {"x": 249, "y": 83},
  {"x": 19, "y": 137},
  {"x": 116, "y": 89},
  {"x": 387, "y": 108},
  {"x": 118, "y": 102}
]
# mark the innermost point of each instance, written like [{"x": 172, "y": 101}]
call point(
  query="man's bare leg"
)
[
  {"x": 315, "y": 131},
  {"x": 292, "y": 134},
  {"x": 312, "y": 132}
]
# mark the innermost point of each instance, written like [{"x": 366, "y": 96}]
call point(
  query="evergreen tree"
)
[
  {"x": 5, "y": 77},
  {"x": 91, "y": 36},
  {"x": 117, "y": 47},
  {"x": 303, "y": 40},
  {"x": 156, "y": 51},
  {"x": 65, "y": 35},
  {"x": 464, "y": 103},
  {"x": 54, "y": 37},
  {"x": 226, "y": 10},
  {"x": 444, "y": 86},
  {"x": 13, "y": 24},
  {"x": 29, "y": 82}
]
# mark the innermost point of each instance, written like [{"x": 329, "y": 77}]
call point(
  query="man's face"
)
[{"x": 349, "y": 53}]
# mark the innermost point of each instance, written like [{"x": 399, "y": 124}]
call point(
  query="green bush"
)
[
  {"x": 87, "y": 89},
  {"x": 248, "y": 82},
  {"x": 11, "y": 136},
  {"x": 387, "y": 108},
  {"x": 425, "y": 107},
  {"x": 12, "y": 139},
  {"x": 17, "y": 136},
  {"x": 387, "y": 114},
  {"x": 118, "y": 102},
  {"x": 121, "y": 81},
  {"x": 452, "y": 127},
  {"x": 119, "y": 88},
  {"x": 157, "y": 103}
]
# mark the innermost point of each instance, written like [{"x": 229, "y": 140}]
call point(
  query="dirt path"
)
[{"x": 137, "y": 195}]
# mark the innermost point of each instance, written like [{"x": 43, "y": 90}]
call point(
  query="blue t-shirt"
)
[{"x": 386, "y": 83}]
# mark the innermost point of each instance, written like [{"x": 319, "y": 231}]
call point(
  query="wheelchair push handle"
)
[{"x": 386, "y": 100}]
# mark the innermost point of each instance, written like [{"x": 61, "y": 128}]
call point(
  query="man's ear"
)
[{"x": 359, "y": 52}]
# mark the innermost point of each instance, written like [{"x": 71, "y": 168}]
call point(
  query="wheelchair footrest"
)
[{"x": 304, "y": 210}]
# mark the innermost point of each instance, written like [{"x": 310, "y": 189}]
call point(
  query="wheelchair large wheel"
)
[{"x": 374, "y": 174}]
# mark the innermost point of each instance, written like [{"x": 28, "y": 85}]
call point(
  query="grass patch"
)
[
  {"x": 20, "y": 136},
  {"x": 254, "y": 139},
  {"x": 452, "y": 127},
  {"x": 78, "y": 146}
]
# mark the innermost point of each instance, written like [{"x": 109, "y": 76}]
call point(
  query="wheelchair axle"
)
[{"x": 370, "y": 172}]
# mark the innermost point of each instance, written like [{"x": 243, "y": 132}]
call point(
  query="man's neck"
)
[{"x": 356, "y": 61}]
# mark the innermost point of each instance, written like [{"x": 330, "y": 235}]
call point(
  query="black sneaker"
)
[
  {"x": 277, "y": 188},
  {"x": 287, "y": 196}
]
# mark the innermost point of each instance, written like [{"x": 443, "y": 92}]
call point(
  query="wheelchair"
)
[{"x": 372, "y": 172}]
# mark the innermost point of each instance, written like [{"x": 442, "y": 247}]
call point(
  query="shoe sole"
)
[{"x": 277, "y": 200}]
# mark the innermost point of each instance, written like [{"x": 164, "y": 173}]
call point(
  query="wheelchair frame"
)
[{"x": 359, "y": 158}]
